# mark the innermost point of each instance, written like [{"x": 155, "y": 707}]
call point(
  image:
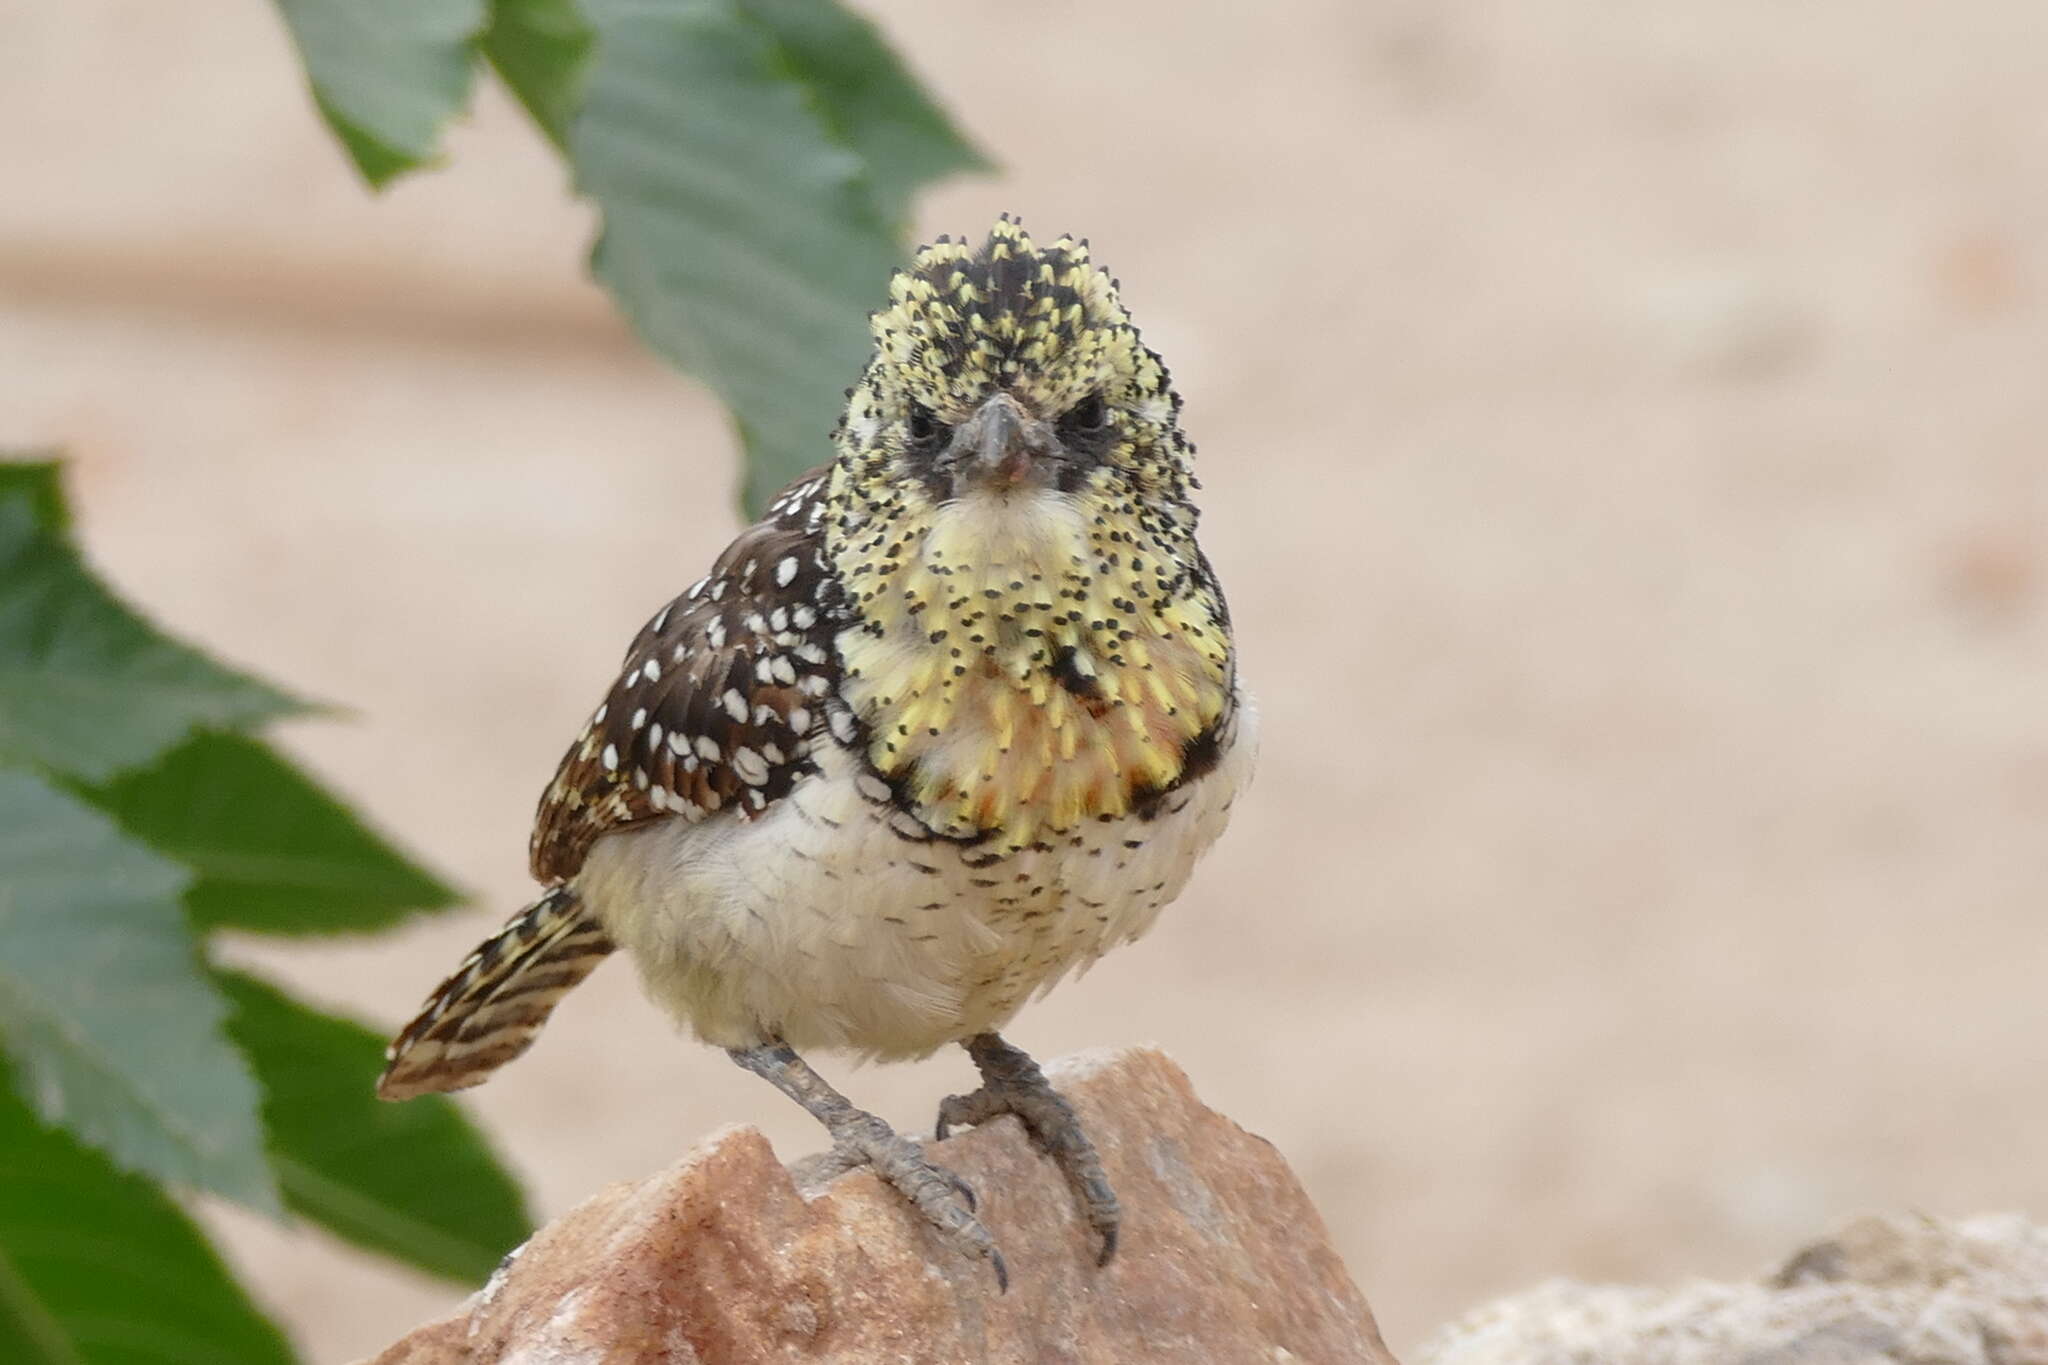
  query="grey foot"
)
[
  {"x": 1011, "y": 1083},
  {"x": 862, "y": 1139}
]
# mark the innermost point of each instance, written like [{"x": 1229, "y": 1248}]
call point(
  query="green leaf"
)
[
  {"x": 87, "y": 687},
  {"x": 273, "y": 853},
  {"x": 739, "y": 235},
  {"x": 411, "y": 1180},
  {"x": 387, "y": 74},
  {"x": 114, "y": 1025},
  {"x": 99, "y": 1268},
  {"x": 869, "y": 100},
  {"x": 745, "y": 234},
  {"x": 38, "y": 485},
  {"x": 540, "y": 48}
]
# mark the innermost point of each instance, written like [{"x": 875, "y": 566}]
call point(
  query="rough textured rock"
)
[
  {"x": 1902, "y": 1289},
  {"x": 723, "y": 1258}
]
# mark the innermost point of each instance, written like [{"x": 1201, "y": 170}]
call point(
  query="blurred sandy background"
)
[{"x": 1626, "y": 438}]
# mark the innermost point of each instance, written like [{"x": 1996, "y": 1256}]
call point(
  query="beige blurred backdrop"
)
[{"x": 1626, "y": 444}]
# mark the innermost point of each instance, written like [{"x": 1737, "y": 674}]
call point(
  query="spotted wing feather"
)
[{"x": 722, "y": 694}]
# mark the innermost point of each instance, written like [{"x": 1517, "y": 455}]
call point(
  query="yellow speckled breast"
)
[{"x": 1024, "y": 667}]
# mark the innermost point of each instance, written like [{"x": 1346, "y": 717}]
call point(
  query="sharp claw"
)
[
  {"x": 1013, "y": 1084},
  {"x": 964, "y": 1190},
  {"x": 995, "y": 1260}
]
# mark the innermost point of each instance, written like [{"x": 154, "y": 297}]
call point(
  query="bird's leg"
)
[
  {"x": 862, "y": 1139},
  {"x": 1011, "y": 1083}
]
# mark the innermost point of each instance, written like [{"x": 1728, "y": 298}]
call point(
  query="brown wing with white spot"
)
[{"x": 721, "y": 696}]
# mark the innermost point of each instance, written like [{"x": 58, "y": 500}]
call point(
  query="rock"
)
[
  {"x": 1882, "y": 1290},
  {"x": 723, "y": 1259}
]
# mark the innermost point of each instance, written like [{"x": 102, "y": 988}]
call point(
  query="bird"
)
[{"x": 955, "y": 717}]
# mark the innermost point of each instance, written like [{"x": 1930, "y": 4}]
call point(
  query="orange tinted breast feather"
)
[{"x": 1024, "y": 768}]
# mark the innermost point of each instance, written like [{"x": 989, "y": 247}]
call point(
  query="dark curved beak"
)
[{"x": 1003, "y": 447}]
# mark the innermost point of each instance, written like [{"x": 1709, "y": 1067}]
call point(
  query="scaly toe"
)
[
  {"x": 1054, "y": 1130},
  {"x": 966, "y": 1111},
  {"x": 947, "y": 1202}
]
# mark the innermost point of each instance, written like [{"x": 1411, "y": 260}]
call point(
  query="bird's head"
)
[{"x": 1012, "y": 373}]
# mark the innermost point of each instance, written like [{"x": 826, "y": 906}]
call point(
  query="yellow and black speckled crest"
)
[{"x": 1043, "y": 323}]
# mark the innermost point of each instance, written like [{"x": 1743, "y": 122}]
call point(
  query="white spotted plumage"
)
[{"x": 901, "y": 759}]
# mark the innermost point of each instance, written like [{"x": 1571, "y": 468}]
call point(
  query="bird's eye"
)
[
  {"x": 923, "y": 426},
  {"x": 1089, "y": 415}
]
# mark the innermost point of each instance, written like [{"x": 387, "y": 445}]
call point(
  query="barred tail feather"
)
[{"x": 490, "y": 1010}]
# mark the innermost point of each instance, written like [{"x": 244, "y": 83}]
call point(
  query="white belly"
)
[{"x": 819, "y": 924}]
